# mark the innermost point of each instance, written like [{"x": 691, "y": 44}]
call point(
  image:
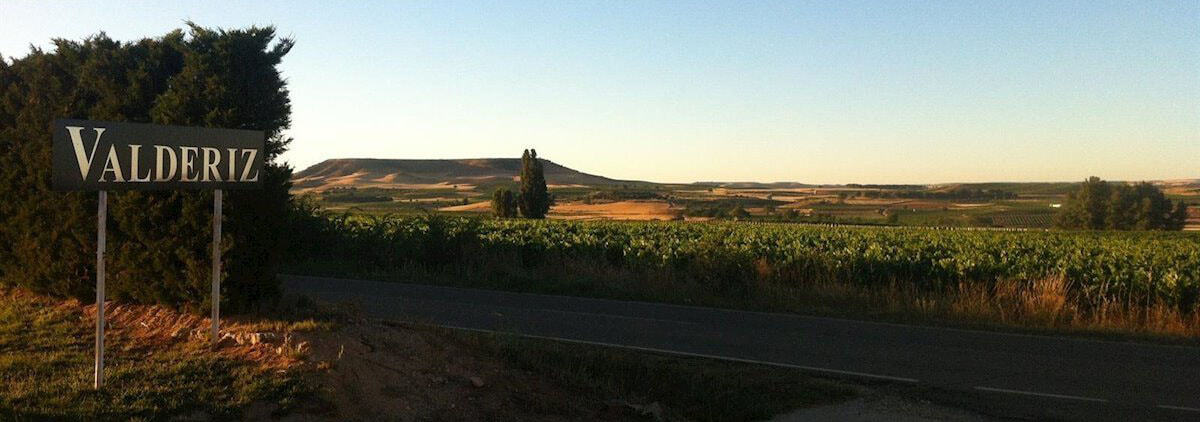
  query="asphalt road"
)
[{"x": 999, "y": 374}]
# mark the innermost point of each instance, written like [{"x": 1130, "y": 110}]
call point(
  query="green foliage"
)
[
  {"x": 534, "y": 201},
  {"x": 1179, "y": 216},
  {"x": 504, "y": 203},
  {"x": 893, "y": 217},
  {"x": 739, "y": 213},
  {"x": 1099, "y": 205},
  {"x": 733, "y": 258},
  {"x": 159, "y": 242}
]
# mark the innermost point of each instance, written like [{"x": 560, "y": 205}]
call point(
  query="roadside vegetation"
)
[
  {"x": 158, "y": 365},
  {"x": 1113, "y": 283}
]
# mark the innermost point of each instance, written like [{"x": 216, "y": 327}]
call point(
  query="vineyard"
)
[
  {"x": 1144, "y": 268},
  {"x": 1030, "y": 220}
]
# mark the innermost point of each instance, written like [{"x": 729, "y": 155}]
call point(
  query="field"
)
[
  {"x": 380, "y": 187},
  {"x": 880, "y": 251},
  {"x": 685, "y": 202},
  {"x": 1133, "y": 282}
]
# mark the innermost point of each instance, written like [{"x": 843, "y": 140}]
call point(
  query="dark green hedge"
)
[{"x": 159, "y": 242}]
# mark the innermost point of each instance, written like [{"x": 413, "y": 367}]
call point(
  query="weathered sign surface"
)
[{"x": 91, "y": 155}]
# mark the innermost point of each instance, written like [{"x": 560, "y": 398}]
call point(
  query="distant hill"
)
[{"x": 400, "y": 173}]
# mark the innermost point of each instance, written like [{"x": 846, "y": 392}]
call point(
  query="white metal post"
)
[
  {"x": 216, "y": 267},
  {"x": 101, "y": 245}
]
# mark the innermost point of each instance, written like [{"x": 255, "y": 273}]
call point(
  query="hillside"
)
[{"x": 401, "y": 173}]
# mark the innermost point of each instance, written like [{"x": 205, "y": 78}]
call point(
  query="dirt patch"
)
[
  {"x": 155, "y": 327},
  {"x": 418, "y": 373}
]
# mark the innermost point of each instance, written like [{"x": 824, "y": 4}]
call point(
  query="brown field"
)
[
  {"x": 356, "y": 180},
  {"x": 484, "y": 206},
  {"x": 623, "y": 210}
]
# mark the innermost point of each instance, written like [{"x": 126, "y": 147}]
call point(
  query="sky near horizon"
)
[{"x": 804, "y": 91}]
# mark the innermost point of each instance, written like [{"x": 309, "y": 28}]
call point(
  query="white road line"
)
[
  {"x": 1185, "y": 409},
  {"x": 1031, "y": 393},
  {"x": 698, "y": 355}
]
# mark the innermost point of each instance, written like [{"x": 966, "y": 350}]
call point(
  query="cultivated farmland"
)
[{"x": 1096, "y": 269}]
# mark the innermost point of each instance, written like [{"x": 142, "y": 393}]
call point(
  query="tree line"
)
[{"x": 1100, "y": 205}]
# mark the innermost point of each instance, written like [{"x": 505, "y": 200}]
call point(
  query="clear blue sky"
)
[{"x": 826, "y": 92}]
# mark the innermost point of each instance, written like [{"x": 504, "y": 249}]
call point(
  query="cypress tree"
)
[{"x": 534, "y": 201}]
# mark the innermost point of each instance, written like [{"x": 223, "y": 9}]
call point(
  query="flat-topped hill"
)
[{"x": 402, "y": 173}]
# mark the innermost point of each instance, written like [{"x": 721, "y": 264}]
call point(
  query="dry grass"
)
[
  {"x": 622, "y": 210},
  {"x": 1046, "y": 305},
  {"x": 158, "y": 366},
  {"x": 483, "y": 206}
]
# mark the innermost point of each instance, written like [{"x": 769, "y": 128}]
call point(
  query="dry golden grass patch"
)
[
  {"x": 621, "y": 210},
  {"x": 1044, "y": 305},
  {"x": 484, "y": 206}
]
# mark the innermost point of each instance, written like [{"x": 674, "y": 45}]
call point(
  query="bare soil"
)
[{"x": 369, "y": 369}]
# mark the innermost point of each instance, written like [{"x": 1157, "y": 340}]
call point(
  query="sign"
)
[
  {"x": 91, "y": 155},
  {"x": 100, "y": 156}
]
